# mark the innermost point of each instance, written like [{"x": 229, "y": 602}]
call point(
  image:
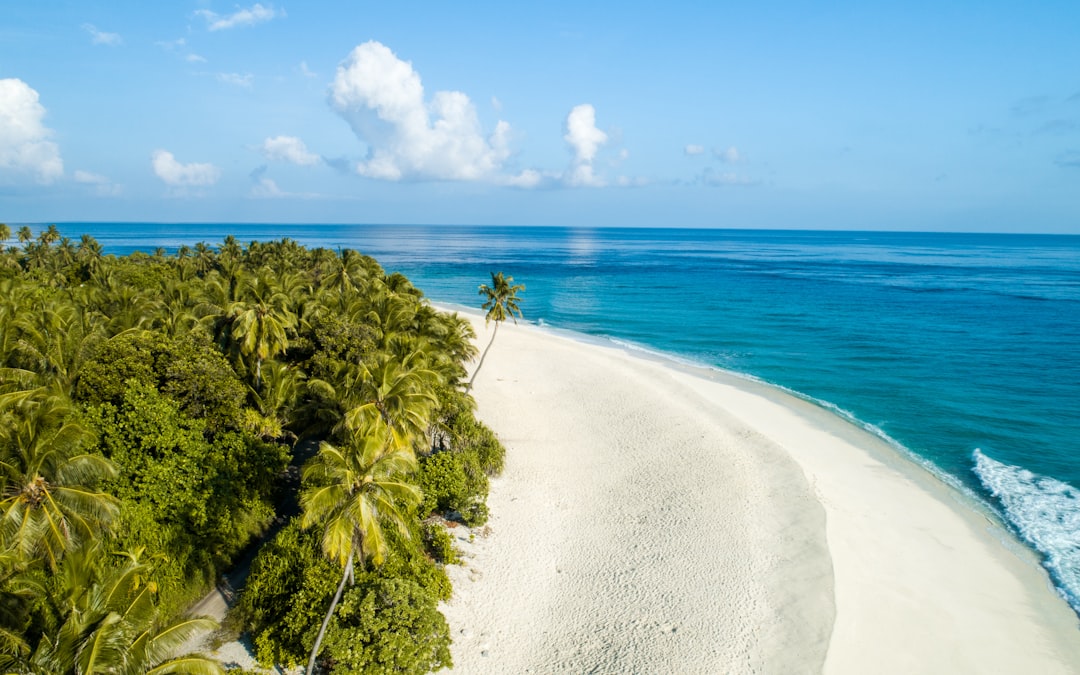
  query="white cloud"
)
[
  {"x": 382, "y": 98},
  {"x": 730, "y": 155},
  {"x": 24, "y": 140},
  {"x": 288, "y": 149},
  {"x": 266, "y": 188},
  {"x": 175, "y": 174},
  {"x": 99, "y": 37},
  {"x": 307, "y": 72},
  {"x": 236, "y": 79},
  {"x": 693, "y": 149},
  {"x": 81, "y": 176},
  {"x": 581, "y": 133},
  {"x": 101, "y": 184},
  {"x": 250, "y": 16},
  {"x": 529, "y": 178},
  {"x": 584, "y": 139},
  {"x": 194, "y": 58}
]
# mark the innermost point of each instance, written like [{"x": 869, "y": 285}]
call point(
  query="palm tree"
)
[
  {"x": 54, "y": 339},
  {"x": 260, "y": 330},
  {"x": 5, "y": 232},
  {"x": 47, "y": 499},
  {"x": 501, "y": 302},
  {"x": 354, "y": 492},
  {"x": 392, "y": 395},
  {"x": 111, "y": 623},
  {"x": 89, "y": 255},
  {"x": 18, "y": 591}
]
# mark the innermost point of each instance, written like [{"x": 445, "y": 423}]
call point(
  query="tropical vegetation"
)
[
  {"x": 153, "y": 408},
  {"x": 501, "y": 303}
]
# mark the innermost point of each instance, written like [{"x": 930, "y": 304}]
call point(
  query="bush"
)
[
  {"x": 388, "y": 626},
  {"x": 286, "y": 596},
  {"x": 453, "y": 482},
  {"x": 290, "y": 588},
  {"x": 439, "y": 543}
]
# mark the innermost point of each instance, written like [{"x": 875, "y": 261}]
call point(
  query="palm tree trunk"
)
[
  {"x": 326, "y": 620},
  {"x": 482, "y": 357}
]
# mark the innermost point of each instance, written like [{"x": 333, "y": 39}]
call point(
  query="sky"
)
[{"x": 957, "y": 116}]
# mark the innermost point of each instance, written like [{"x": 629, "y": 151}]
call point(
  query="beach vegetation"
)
[
  {"x": 153, "y": 408},
  {"x": 501, "y": 303}
]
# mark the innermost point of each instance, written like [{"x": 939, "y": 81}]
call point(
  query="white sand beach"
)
[{"x": 659, "y": 519}]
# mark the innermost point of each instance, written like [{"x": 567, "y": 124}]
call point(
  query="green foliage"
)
[
  {"x": 388, "y": 625},
  {"x": 439, "y": 543},
  {"x": 286, "y": 595},
  {"x": 188, "y": 369},
  {"x": 181, "y": 369},
  {"x": 470, "y": 436},
  {"x": 291, "y": 584},
  {"x": 195, "y": 500},
  {"x": 454, "y": 478}
]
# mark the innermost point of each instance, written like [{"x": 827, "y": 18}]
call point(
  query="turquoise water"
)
[{"x": 964, "y": 349}]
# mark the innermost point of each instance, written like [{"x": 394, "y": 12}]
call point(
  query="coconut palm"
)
[
  {"x": 353, "y": 493},
  {"x": 501, "y": 303},
  {"x": 53, "y": 341},
  {"x": 110, "y": 623},
  {"x": 397, "y": 396},
  {"x": 261, "y": 328},
  {"x": 89, "y": 255},
  {"x": 48, "y": 502},
  {"x": 18, "y": 590}
]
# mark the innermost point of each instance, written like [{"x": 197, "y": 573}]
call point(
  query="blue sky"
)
[{"x": 913, "y": 116}]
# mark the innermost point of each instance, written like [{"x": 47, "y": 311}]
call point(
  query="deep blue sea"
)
[{"x": 963, "y": 349}]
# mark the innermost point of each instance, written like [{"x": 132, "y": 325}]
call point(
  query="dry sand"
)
[{"x": 660, "y": 519}]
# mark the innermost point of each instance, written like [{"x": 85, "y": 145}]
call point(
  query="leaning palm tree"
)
[
  {"x": 353, "y": 492},
  {"x": 501, "y": 303}
]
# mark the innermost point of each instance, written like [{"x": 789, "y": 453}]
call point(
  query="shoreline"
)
[{"x": 920, "y": 580}]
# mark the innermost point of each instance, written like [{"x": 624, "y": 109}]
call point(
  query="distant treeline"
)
[{"x": 152, "y": 410}]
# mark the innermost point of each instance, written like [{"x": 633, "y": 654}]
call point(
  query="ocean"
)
[{"x": 963, "y": 350}]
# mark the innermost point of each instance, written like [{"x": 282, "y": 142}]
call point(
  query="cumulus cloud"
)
[
  {"x": 581, "y": 133},
  {"x": 250, "y": 16},
  {"x": 101, "y": 184},
  {"x": 288, "y": 149},
  {"x": 99, "y": 37},
  {"x": 178, "y": 175},
  {"x": 693, "y": 149},
  {"x": 409, "y": 138},
  {"x": 24, "y": 140},
  {"x": 236, "y": 79},
  {"x": 584, "y": 139}
]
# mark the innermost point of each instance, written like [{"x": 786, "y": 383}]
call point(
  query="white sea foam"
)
[{"x": 1046, "y": 512}]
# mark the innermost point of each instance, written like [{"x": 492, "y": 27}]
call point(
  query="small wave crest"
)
[{"x": 1046, "y": 512}]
